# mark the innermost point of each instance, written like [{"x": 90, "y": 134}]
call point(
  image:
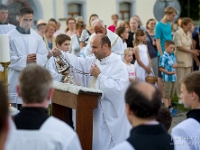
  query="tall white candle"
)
[{"x": 4, "y": 48}]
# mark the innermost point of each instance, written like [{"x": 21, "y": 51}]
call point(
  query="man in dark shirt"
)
[
  {"x": 35, "y": 88},
  {"x": 142, "y": 106}
]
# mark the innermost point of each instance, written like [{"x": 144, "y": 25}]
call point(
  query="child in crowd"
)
[
  {"x": 122, "y": 32},
  {"x": 189, "y": 129},
  {"x": 143, "y": 61},
  {"x": 167, "y": 66},
  {"x": 164, "y": 116},
  {"x": 128, "y": 57},
  {"x": 62, "y": 43}
]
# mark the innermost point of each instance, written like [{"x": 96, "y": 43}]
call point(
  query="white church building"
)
[{"x": 61, "y": 9}]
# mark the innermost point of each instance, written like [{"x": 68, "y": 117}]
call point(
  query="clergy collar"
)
[
  {"x": 22, "y": 31},
  {"x": 148, "y": 129},
  {"x": 35, "y": 110},
  {"x": 105, "y": 60},
  {"x": 5, "y": 23},
  {"x": 195, "y": 114}
]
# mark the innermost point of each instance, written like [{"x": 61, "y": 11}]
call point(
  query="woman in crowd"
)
[
  {"x": 122, "y": 32},
  {"x": 184, "y": 51},
  {"x": 49, "y": 39},
  {"x": 87, "y": 32},
  {"x": 41, "y": 25},
  {"x": 75, "y": 39},
  {"x": 133, "y": 28},
  {"x": 71, "y": 27},
  {"x": 151, "y": 45}
]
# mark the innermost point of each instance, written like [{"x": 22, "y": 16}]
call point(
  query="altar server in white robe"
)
[
  {"x": 26, "y": 47},
  {"x": 116, "y": 42},
  {"x": 5, "y": 27},
  {"x": 62, "y": 43},
  {"x": 32, "y": 127},
  {"x": 107, "y": 72},
  {"x": 189, "y": 129}
]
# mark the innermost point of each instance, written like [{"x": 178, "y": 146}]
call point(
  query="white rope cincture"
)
[{"x": 104, "y": 116}]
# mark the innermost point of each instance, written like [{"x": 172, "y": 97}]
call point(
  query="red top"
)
[{"x": 112, "y": 28}]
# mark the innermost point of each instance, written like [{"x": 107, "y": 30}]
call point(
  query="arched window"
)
[
  {"x": 74, "y": 10},
  {"x": 124, "y": 11}
]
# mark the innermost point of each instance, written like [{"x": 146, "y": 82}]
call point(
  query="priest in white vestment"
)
[
  {"x": 5, "y": 27},
  {"x": 116, "y": 42},
  {"x": 107, "y": 72},
  {"x": 26, "y": 47}
]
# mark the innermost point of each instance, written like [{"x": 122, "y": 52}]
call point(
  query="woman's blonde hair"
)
[
  {"x": 139, "y": 32},
  {"x": 50, "y": 25},
  {"x": 127, "y": 50}
]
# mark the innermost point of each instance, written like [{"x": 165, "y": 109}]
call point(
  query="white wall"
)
[
  {"x": 104, "y": 9},
  {"x": 144, "y": 9}
]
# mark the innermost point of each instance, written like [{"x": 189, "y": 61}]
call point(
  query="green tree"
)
[{"x": 190, "y": 8}]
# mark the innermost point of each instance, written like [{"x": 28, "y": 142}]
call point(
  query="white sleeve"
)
[
  {"x": 78, "y": 64},
  {"x": 16, "y": 62},
  {"x": 115, "y": 82},
  {"x": 52, "y": 69},
  {"x": 74, "y": 144},
  {"x": 41, "y": 53}
]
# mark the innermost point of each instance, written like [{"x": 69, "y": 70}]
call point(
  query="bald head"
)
[
  {"x": 144, "y": 100},
  {"x": 100, "y": 46},
  {"x": 146, "y": 89}
]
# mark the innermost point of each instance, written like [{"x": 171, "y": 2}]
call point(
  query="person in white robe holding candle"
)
[
  {"x": 26, "y": 47},
  {"x": 107, "y": 72},
  {"x": 5, "y": 27},
  {"x": 116, "y": 42}
]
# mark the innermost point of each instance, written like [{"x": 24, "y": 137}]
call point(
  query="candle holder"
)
[{"x": 4, "y": 74}]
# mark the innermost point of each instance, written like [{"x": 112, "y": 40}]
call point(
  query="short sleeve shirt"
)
[
  {"x": 163, "y": 32},
  {"x": 180, "y": 38},
  {"x": 166, "y": 61},
  {"x": 85, "y": 36},
  {"x": 131, "y": 70}
]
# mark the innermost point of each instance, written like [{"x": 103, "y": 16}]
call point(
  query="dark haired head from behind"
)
[
  {"x": 165, "y": 117},
  {"x": 143, "y": 102},
  {"x": 25, "y": 11},
  {"x": 3, "y": 116}
]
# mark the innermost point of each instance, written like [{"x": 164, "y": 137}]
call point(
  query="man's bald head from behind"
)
[{"x": 143, "y": 100}]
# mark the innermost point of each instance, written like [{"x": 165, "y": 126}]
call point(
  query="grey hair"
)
[{"x": 98, "y": 21}]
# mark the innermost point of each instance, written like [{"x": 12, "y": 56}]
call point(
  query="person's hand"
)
[
  {"x": 94, "y": 71},
  {"x": 154, "y": 43},
  {"x": 175, "y": 65},
  {"x": 31, "y": 58},
  {"x": 195, "y": 52},
  {"x": 171, "y": 73},
  {"x": 56, "y": 52},
  {"x": 198, "y": 63},
  {"x": 148, "y": 70},
  {"x": 49, "y": 55}
]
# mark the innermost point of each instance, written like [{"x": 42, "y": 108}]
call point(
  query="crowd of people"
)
[{"x": 115, "y": 59}]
